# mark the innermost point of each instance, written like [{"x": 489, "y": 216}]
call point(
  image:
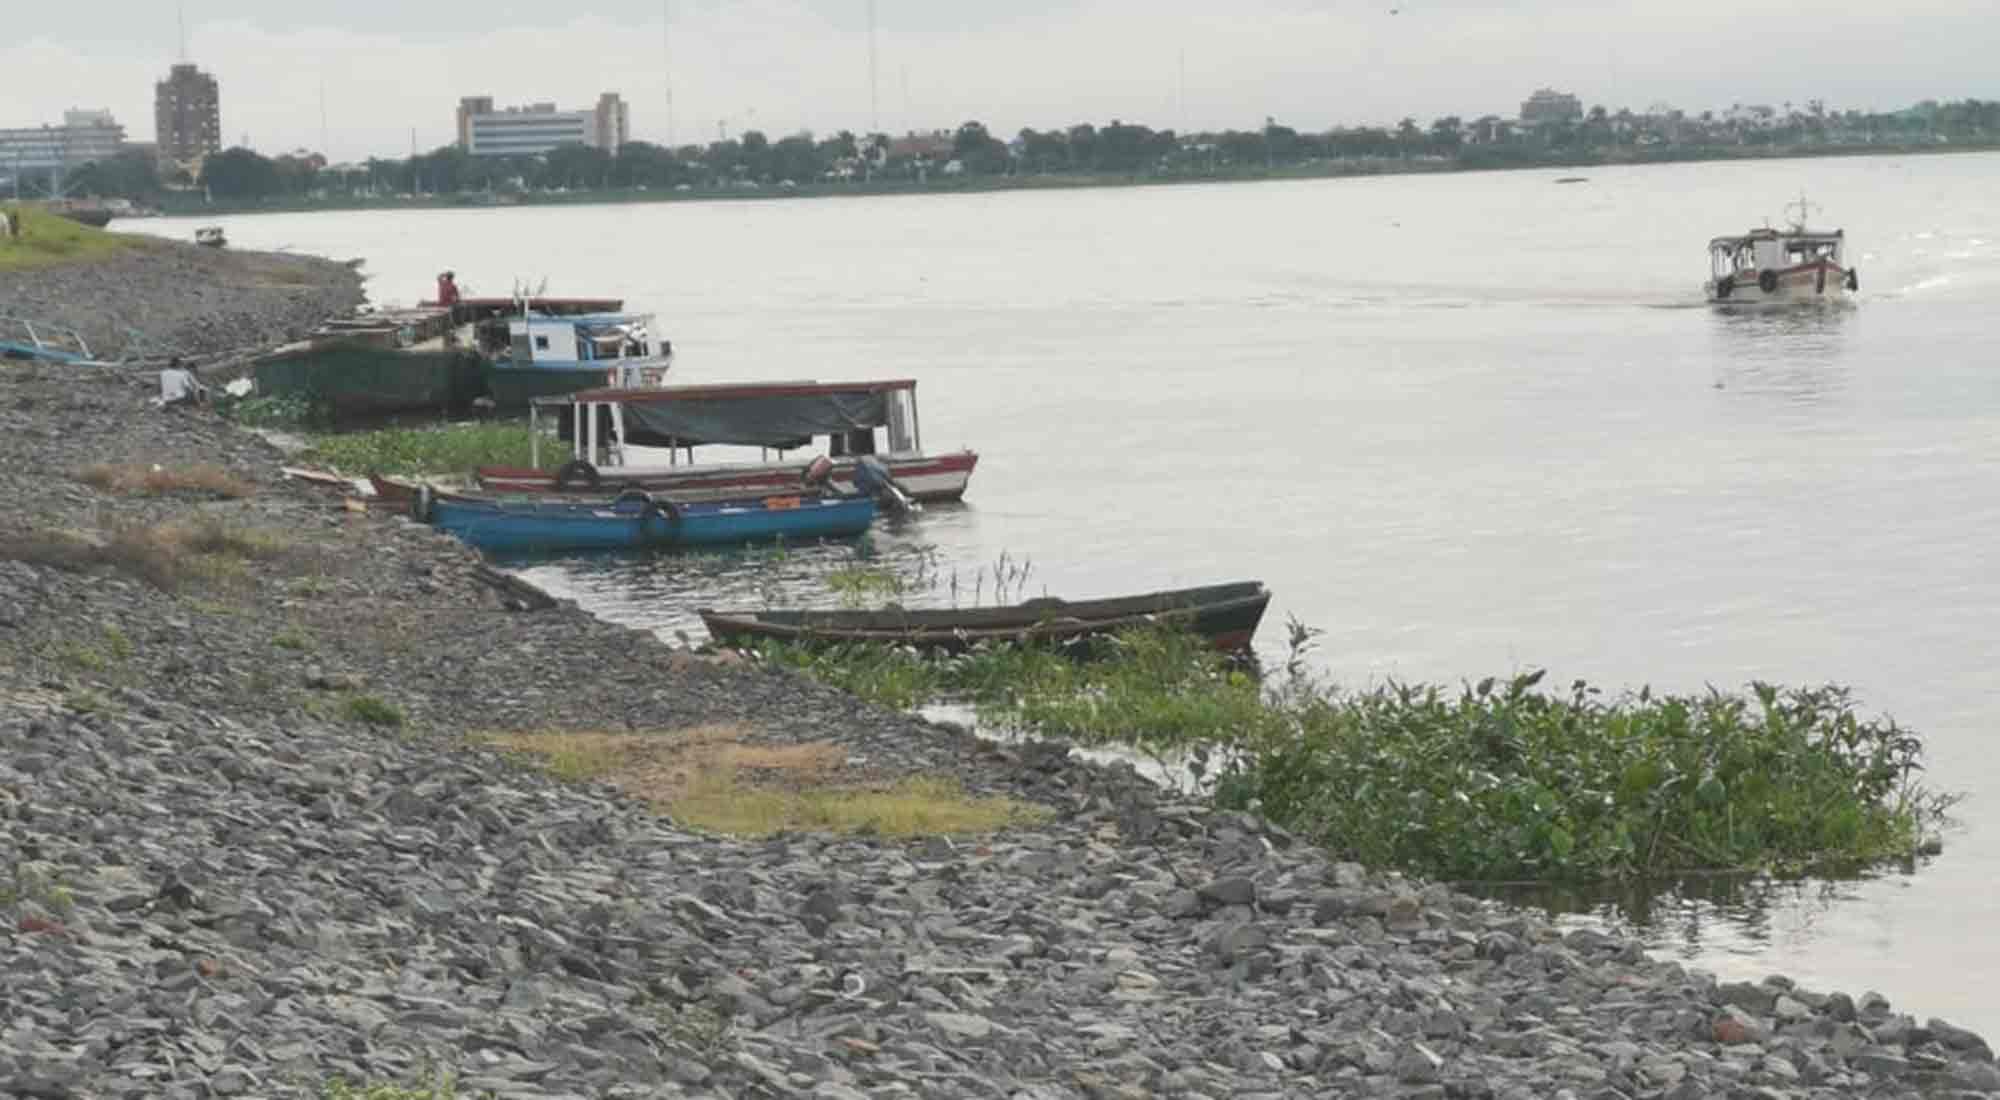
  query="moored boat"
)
[
  {"x": 42, "y": 341},
  {"x": 622, "y": 438},
  {"x": 549, "y": 355},
  {"x": 374, "y": 364},
  {"x": 639, "y": 520},
  {"x": 1225, "y": 614},
  {"x": 1781, "y": 266}
]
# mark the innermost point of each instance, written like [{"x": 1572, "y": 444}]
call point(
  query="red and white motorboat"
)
[
  {"x": 645, "y": 439},
  {"x": 1781, "y": 266}
]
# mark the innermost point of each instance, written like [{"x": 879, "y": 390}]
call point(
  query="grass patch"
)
[
  {"x": 136, "y": 480},
  {"x": 47, "y": 239},
  {"x": 44, "y": 888},
  {"x": 1500, "y": 780},
  {"x": 449, "y": 449},
  {"x": 164, "y": 555},
  {"x": 372, "y": 710},
  {"x": 711, "y": 778},
  {"x": 441, "y": 1087},
  {"x": 295, "y": 642}
]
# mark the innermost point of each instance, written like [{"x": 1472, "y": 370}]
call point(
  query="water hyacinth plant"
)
[{"x": 1499, "y": 780}]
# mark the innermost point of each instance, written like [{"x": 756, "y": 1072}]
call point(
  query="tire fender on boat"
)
[
  {"x": 420, "y": 504},
  {"x": 1854, "y": 278},
  {"x": 1819, "y": 281},
  {"x": 1767, "y": 281},
  {"x": 1724, "y": 285},
  {"x": 576, "y": 470}
]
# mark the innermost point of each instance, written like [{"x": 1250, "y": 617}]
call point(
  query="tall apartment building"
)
[
  {"x": 187, "y": 118},
  {"x": 537, "y": 128},
  {"x": 1549, "y": 105}
]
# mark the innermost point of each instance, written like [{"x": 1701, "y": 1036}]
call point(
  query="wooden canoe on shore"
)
[{"x": 1225, "y": 614}]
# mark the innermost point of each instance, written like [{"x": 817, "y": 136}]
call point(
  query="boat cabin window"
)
[
  {"x": 541, "y": 343},
  {"x": 860, "y": 441},
  {"x": 903, "y": 422}
]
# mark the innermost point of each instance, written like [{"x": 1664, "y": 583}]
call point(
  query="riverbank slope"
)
[
  {"x": 256, "y": 841},
  {"x": 135, "y": 297}
]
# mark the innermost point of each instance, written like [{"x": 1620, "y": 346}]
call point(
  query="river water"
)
[{"x": 1466, "y": 425}]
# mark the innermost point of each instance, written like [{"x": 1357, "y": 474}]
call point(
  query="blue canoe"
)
[{"x": 635, "y": 520}]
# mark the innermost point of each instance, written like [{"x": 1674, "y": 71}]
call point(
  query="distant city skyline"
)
[{"x": 784, "y": 65}]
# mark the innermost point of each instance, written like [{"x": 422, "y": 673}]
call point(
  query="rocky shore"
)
[
  {"x": 159, "y": 299},
  {"x": 222, "y": 875}
]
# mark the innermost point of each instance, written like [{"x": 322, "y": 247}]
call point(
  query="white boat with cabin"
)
[
  {"x": 646, "y": 438},
  {"x": 1781, "y": 266}
]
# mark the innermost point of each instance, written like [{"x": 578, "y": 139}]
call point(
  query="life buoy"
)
[
  {"x": 1767, "y": 281},
  {"x": 1724, "y": 286},
  {"x": 1854, "y": 278},
  {"x": 577, "y": 470}
]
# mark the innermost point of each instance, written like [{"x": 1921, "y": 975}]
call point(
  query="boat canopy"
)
[
  {"x": 771, "y": 415},
  {"x": 1801, "y": 236}
]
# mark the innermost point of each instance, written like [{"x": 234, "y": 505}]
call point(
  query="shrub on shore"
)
[
  {"x": 446, "y": 450},
  {"x": 1494, "y": 781}
]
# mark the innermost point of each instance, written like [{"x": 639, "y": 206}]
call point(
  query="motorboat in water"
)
[{"x": 1781, "y": 266}]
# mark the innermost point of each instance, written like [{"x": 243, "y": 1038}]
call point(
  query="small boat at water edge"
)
[
  {"x": 625, "y": 438},
  {"x": 1780, "y": 266},
  {"x": 637, "y": 520},
  {"x": 42, "y": 342},
  {"x": 1225, "y": 614},
  {"x": 371, "y": 364}
]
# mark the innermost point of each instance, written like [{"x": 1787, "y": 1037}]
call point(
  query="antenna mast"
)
[
  {"x": 180, "y": 11},
  {"x": 874, "y": 98},
  {"x": 666, "y": 58}
]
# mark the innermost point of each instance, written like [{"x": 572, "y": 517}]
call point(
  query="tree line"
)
[{"x": 1117, "y": 149}]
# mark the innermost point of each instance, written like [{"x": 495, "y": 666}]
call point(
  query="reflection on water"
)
[
  {"x": 1704, "y": 918},
  {"x": 664, "y": 591}
]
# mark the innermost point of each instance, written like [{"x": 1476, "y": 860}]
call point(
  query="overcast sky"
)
[{"x": 388, "y": 67}]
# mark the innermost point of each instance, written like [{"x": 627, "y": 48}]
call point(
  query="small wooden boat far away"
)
[{"x": 1225, "y": 614}]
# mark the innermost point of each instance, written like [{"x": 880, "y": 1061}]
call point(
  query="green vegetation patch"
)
[
  {"x": 1493, "y": 781},
  {"x": 715, "y": 778},
  {"x": 444, "y": 450},
  {"x": 441, "y": 1087},
  {"x": 373, "y": 710},
  {"x": 48, "y": 239}
]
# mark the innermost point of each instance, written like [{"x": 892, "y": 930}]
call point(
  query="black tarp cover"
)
[{"x": 776, "y": 421}]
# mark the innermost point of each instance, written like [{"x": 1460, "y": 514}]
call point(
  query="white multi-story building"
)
[
  {"x": 533, "y": 130},
  {"x": 83, "y": 137}
]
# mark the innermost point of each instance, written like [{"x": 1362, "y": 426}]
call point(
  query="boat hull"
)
[
  {"x": 924, "y": 478},
  {"x": 357, "y": 379},
  {"x": 1225, "y": 615},
  {"x": 503, "y": 526},
  {"x": 513, "y": 387},
  {"x": 1816, "y": 282}
]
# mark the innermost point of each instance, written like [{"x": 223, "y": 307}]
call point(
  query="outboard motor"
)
[
  {"x": 872, "y": 478},
  {"x": 819, "y": 474}
]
